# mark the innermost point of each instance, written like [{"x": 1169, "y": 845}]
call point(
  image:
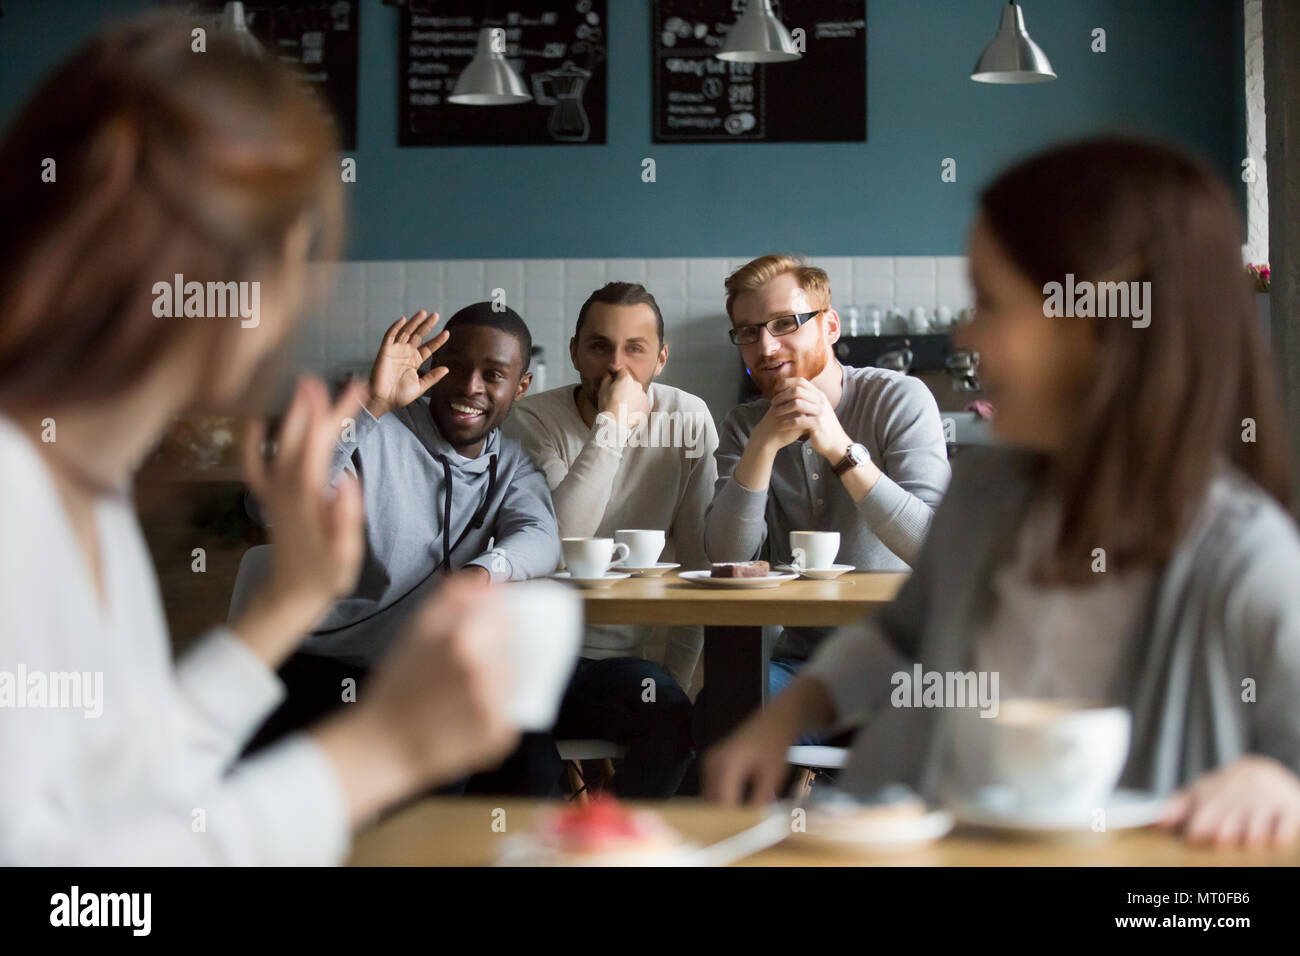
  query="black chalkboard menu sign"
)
[
  {"x": 698, "y": 98},
  {"x": 558, "y": 47},
  {"x": 320, "y": 40}
]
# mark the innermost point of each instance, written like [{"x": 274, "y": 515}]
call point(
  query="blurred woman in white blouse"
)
[{"x": 218, "y": 168}]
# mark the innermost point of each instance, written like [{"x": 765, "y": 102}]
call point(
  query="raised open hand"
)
[
  {"x": 395, "y": 379},
  {"x": 316, "y": 530}
]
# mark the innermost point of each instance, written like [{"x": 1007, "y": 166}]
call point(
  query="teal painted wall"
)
[{"x": 1173, "y": 70}]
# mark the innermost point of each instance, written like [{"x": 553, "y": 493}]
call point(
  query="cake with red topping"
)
[{"x": 603, "y": 827}]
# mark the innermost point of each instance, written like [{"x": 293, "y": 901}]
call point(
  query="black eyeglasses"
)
[{"x": 781, "y": 325}]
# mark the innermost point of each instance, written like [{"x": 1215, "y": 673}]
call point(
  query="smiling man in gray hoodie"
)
[{"x": 444, "y": 492}]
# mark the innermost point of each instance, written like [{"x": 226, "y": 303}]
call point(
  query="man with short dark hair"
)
[
  {"x": 621, "y": 451},
  {"x": 444, "y": 492}
]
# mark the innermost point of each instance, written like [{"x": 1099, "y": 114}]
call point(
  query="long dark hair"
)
[
  {"x": 1168, "y": 401},
  {"x": 167, "y": 160}
]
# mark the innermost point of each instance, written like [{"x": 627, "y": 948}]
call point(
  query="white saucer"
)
[
  {"x": 609, "y": 579},
  {"x": 527, "y": 850},
  {"x": 819, "y": 574},
  {"x": 653, "y": 571},
  {"x": 706, "y": 579},
  {"x": 885, "y": 836},
  {"x": 994, "y": 808}
]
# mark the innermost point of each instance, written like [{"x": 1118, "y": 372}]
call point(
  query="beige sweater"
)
[{"x": 658, "y": 474}]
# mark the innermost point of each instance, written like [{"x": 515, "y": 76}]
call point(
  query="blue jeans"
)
[
  {"x": 781, "y": 674},
  {"x": 606, "y": 700}
]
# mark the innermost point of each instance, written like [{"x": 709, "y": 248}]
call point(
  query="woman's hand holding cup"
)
[{"x": 435, "y": 710}]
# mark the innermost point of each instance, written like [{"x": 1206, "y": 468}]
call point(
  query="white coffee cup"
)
[
  {"x": 644, "y": 547},
  {"x": 814, "y": 550},
  {"x": 1064, "y": 756},
  {"x": 591, "y": 557},
  {"x": 545, "y": 638}
]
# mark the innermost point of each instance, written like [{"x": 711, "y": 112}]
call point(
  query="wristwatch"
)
[{"x": 856, "y": 455}]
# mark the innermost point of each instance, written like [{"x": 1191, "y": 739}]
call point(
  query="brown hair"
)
[
  {"x": 1168, "y": 401},
  {"x": 756, "y": 274},
  {"x": 167, "y": 161},
  {"x": 621, "y": 293}
]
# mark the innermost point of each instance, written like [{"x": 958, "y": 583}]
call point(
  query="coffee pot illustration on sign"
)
[{"x": 568, "y": 120}]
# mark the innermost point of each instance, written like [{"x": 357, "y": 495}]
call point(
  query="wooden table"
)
[
  {"x": 458, "y": 831},
  {"x": 735, "y": 659}
]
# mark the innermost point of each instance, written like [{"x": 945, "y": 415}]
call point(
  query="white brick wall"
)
[{"x": 361, "y": 299}]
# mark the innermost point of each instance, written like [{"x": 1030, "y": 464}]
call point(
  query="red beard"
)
[{"x": 807, "y": 366}]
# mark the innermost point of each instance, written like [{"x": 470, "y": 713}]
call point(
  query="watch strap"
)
[{"x": 845, "y": 464}]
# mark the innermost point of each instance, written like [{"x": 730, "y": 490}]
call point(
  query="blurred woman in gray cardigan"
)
[{"x": 1131, "y": 542}]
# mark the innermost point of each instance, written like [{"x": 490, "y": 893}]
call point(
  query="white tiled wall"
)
[{"x": 367, "y": 297}]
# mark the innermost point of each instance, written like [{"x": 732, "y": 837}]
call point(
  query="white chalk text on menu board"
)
[
  {"x": 821, "y": 97},
  {"x": 558, "y": 48}
]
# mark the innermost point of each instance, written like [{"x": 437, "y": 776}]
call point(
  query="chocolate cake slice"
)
[{"x": 740, "y": 569}]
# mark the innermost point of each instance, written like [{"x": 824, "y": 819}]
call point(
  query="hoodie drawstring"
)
[{"x": 475, "y": 522}]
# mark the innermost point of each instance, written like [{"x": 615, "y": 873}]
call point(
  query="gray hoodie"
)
[{"x": 429, "y": 509}]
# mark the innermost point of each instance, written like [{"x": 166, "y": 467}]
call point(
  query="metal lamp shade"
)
[
  {"x": 1012, "y": 57},
  {"x": 758, "y": 37},
  {"x": 488, "y": 80}
]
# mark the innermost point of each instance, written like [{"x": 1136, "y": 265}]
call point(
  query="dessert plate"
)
[
  {"x": 894, "y": 835},
  {"x": 892, "y": 820},
  {"x": 607, "y": 580},
  {"x": 653, "y": 571},
  {"x": 706, "y": 579},
  {"x": 527, "y": 850}
]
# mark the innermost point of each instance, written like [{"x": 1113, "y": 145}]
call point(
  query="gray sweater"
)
[
  {"x": 409, "y": 477},
  {"x": 896, "y": 418},
  {"x": 1222, "y": 623}
]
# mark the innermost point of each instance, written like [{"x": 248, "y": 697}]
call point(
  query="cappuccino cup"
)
[
  {"x": 545, "y": 638},
  {"x": 644, "y": 547},
  {"x": 814, "y": 550},
  {"x": 592, "y": 557},
  {"x": 1064, "y": 756}
]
